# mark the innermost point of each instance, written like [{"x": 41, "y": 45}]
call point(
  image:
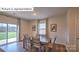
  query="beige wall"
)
[
  {"x": 61, "y": 29},
  {"x": 72, "y": 15},
  {"x": 31, "y": 23},
  {"x": 5, "y": 19},
  {"x": 24, "y": 28}
]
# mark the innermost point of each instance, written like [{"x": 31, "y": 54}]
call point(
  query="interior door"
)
[{"x": 77, "y": 33}]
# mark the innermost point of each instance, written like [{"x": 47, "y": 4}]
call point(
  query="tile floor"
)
[
  {"x": 13, "y": 47},
  {"x": 9, "y": 40}
]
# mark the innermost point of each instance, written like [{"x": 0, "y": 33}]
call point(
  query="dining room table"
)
[{"x": 53, "y": 47}]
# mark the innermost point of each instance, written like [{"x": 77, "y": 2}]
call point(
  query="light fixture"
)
[{"x": 34, "y": 14}]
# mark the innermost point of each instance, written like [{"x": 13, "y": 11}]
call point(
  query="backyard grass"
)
[{"x": 10, "y": 35}]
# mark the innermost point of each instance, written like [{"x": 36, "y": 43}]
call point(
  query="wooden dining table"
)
[{"x": 50, "y": 47}]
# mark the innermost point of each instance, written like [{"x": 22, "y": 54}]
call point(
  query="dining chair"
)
[
  {"x": 36, "y": 44},
  {"x": 50, "y": 46},
  {"x": 27, "y": 42}
]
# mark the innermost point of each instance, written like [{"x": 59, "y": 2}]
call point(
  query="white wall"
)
[{"x": 61, "y": 29}]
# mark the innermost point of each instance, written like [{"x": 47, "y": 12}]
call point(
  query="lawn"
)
[{"x": 10, "y": 35}]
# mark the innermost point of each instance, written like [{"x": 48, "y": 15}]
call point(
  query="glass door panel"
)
[
  {"x": 3, "y": 33},
  {"x": 12, "y": 29}
]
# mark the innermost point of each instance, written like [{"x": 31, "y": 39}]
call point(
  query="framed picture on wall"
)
[
  {"x": 53, "y": 27},
  {"x": 33, "y": 28}
]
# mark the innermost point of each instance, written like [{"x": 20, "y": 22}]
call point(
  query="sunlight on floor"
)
[
  {"x": 9, "y": 40},
  {"x": 13, "y": 47}
]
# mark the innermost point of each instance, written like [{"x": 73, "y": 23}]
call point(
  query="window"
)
[{"x": 42, "y": 28}]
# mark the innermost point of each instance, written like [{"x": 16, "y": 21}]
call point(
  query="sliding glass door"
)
[
  {"x": 3, "y": 33},
  {"x": 7, "y": 33},
  {"x": 12, "y": 32}
]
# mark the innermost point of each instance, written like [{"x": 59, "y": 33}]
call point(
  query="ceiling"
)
[{"x": 40, "y": 13}]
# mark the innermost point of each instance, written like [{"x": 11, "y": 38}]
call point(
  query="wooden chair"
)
[
  {"x": 27, "y": 43},
  {"x": 36, "y": 44},
  {"x": 49, "y": 46}
]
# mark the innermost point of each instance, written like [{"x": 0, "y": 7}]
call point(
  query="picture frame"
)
[
  {"x": 33, "y": 28},
  {"x": 53, "y": 27}
]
